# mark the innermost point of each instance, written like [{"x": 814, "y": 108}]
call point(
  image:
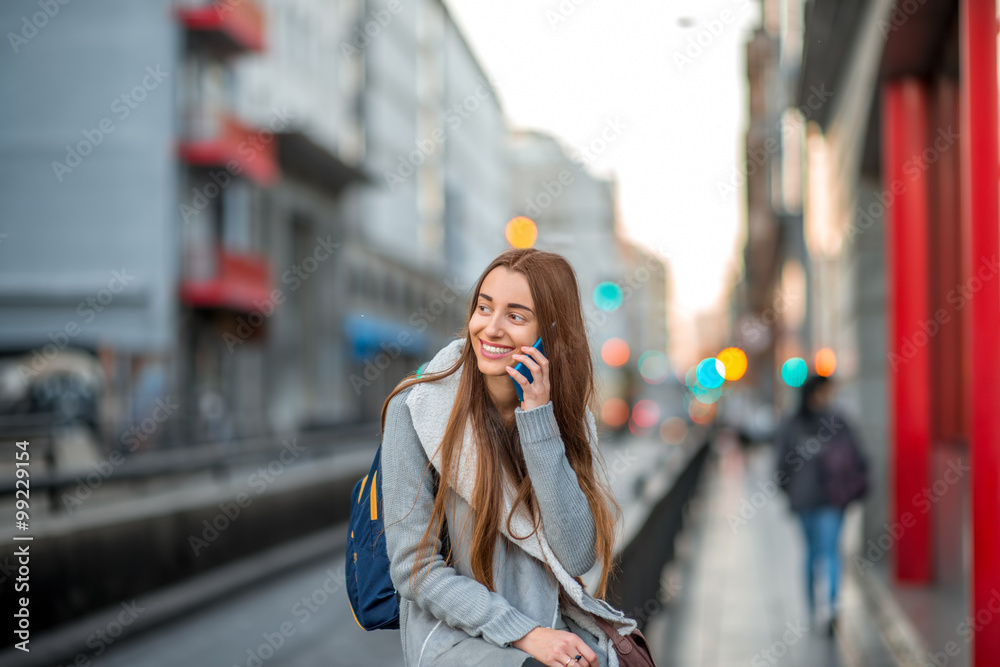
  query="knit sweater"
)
[{"x": 448, "y": 617}]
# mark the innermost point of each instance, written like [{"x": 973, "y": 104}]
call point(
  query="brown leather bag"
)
[{"x": 632, "y": 649}]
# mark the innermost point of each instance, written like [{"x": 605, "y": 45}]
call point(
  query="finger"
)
[
  {"x": 543, "y": 363},
  {"x": 521, "y": 380},
  {"x": 587, "y": 654},
  {"x": 536, "y": 354},
  {"x": 528, "y": 361},
  {"x": 540, "y": 356}
]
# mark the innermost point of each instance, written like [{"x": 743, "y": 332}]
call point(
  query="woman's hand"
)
[
  {"x": 557, "y": 648},
  {"x": 536, "y": 393}
]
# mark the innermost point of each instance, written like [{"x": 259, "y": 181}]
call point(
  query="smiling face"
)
[{"x": 504, "y": 319}]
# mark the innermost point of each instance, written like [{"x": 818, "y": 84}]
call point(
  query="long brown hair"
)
[{"x": 556, "y": 298}]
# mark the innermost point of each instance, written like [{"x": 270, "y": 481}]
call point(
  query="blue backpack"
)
[{"x": 374, "y": 600}]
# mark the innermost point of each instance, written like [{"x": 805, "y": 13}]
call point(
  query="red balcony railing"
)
[
  {"x": 238, "y": 25},
  {"x": 240, "y": 282},
  {"x": 220, "y": 140}
]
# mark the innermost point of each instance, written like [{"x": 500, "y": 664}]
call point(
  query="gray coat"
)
[{"x": 450, "y": 619}]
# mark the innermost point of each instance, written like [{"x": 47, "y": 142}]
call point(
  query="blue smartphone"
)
[{"x": 523, "y": 370}]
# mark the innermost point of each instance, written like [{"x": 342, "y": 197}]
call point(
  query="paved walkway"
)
[{"x": 737, "y": 589}]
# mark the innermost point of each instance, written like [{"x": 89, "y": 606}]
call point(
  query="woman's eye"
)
[{"x": 516, "y": 315}]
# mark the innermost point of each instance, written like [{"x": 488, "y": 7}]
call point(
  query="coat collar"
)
[{"x": 430, "y": 405}]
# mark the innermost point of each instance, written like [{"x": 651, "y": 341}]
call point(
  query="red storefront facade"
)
[
  {"x": 929, "y": 165},
  {"x": 944, "y": 298}
]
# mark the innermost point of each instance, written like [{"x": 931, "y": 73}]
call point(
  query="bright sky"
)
[{"x": 567, "y": 72}]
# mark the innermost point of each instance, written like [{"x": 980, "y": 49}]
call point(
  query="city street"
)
[
  {"x": 246, "y": 629},
  {"x": 739, "y": 593},
  {"x": 751, "y": 248}
]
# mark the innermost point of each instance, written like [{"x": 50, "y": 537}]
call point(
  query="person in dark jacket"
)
[{"x": 800, "y": 472}]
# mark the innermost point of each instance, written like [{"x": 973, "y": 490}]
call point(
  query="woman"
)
[
  {"x": 508, "y": 591},
  {"x": 802, "y": 474}
]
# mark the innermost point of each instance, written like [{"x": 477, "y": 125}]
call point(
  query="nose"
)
[{"x": 493, "y": 329}]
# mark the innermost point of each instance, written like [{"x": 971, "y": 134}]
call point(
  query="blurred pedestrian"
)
[
  {"x": 509, "y": 591},
  {"x": 822, "y": 469}
]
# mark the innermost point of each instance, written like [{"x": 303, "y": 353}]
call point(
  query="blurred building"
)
[
  {"x": 900, "y": 232},
  {"x": 576, "y": 214},
  {"x": 644, "y": 288},
  {"x": 91, "y": 181},
  {"x": 435, "y": 145},
  {"x": 267, "y": 212},
  {"x": 389, "y": 90},
  {"x": 769, "y": 302},
  {"x": 646, "y": 276}
]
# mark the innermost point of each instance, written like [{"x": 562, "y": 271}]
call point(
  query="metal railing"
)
[
  {"x": 640, "y": 563},
  {"x": 149, "y": 465}
]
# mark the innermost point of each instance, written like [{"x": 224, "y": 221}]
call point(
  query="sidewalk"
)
[{"x": 737, "y": 586}]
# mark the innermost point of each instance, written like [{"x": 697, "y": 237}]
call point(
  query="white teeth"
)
[{"x": 495, "y": 350}]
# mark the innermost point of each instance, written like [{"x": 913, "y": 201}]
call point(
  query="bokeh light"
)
[
  {"x": 420, "y": 369},
  {"x": 521, "y": 232},
  {"x": 826, "y": 362},
  {"x": 614, "y": 412},
  {"x": 698, "y": 390},
  {"x": 708, "y": 395},
  {"x": 701, "y": 413},
  {"x": 734, "y": 360},
  {"x": 673, "y": 430},
  {"x": 711, "y": 373},
  {"x": 691, "y": 377},
  {"x": 608, "y": 296},
  {"x": 615, "y": 352},
  {"x": 794, "y": 371},
  {"x": 646, "y": 413},
  {"x": 653, "y": 366},
  {"x": 636, "y": 430}
]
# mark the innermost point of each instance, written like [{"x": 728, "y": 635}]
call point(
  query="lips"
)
[{"x": 494, "y": 355}]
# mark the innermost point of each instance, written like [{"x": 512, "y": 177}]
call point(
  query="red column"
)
[
  {"x": 979, "y": 169},
  {"x": 904, "y": 130},
  {"x": 948, "y": 391}
]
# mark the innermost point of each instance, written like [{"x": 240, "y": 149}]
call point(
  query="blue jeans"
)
[{"x": 821, "y": 527}]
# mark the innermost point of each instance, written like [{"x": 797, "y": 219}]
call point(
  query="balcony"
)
[
  {"x": 219, "y": 278},
  {"x": 227, "y": 27},
  {"x": 217, "y": 139}
]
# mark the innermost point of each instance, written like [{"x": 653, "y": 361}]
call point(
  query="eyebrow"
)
[{"x": 511, "y": 305}]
